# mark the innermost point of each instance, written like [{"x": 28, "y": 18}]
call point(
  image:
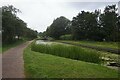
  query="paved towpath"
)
[{"x": 12, "y": 62}]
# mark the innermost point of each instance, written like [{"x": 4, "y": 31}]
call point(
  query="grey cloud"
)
[{"x": 89, "y": 5}]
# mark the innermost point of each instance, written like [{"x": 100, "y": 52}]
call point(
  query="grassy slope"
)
[
  {"x": 38, "y": 65},
  {"x": 8, "y": 46},
  {"x": 96, "y": 43},
  {"x": 0, "y": 49}
]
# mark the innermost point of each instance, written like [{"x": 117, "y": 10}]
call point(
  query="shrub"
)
[{"x": 66, "y": 37}]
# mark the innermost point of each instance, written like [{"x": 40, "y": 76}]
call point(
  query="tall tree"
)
[
  {"x": 13, "y": 26},
  {"x": 58, "y": 27},
  {"x": 85, "y": 26},
  {"x": 8, "y": 20},
  {"x": 109, "y": 23}
]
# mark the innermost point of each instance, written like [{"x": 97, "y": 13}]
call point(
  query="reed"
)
[{"x": 72, "y": 52}]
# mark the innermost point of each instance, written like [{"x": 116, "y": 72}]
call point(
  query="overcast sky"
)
[{"x": 38, "y": 14}]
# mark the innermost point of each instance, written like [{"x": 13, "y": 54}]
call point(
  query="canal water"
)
[{"x": 43, "y": 42}]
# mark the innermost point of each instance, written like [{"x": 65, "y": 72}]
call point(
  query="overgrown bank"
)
[
  {"x": 101, "y": 46},
  {"x": 39, "y": 65},
  {"x": 72, "y": 52}
]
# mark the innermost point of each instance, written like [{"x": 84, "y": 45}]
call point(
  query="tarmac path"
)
[{"x": 13, "y": 63}]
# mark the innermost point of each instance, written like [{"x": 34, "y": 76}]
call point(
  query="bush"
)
[
  {"x": 66, "y": 37},
  {"x": 72, "y": 52},
  {"x": 50, "y": 39}
]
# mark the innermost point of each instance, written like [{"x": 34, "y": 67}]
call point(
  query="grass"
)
[
  {"x": 8, "y": 46},
  {"x": 0, "y": 49},
  {"x": 106, "y": 57},
  {"x": 39, "y": 65},
  {"x": 72, "y": 52},
  {"x": 113, "y": 45}
]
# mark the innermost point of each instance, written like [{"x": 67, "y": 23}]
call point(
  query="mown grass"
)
[
  {"x": 113, "y": 45},
  {"x": 0, "y": 49},
  {"x": 72, "y": 52},
  {"x": 39, "y": 65},
  {"x": 5, "y": 47}
]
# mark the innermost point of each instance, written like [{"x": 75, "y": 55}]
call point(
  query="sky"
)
[
  {"x": 119, "y": 7},
  {"x": 39, "y": 14}
]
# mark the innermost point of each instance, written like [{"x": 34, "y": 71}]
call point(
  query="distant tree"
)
[
  {"x": 85, "y": 26},
  {"x": 13, "y": 27},
  {"x": 20, "y": 28},
  {"x": 68, "y": 28},
  {"x": 30, "y": 34},
  {"x": 40, "y": 34},
  {"x": 0, "y": 26},
  {"x": 118, "y": 29},
  {"x": 58, "y": 27},
  {"x": 88, "y": 26},
  {"x": 8, "y": 23},
  {"x": 47, "y": 32},
  {"x": 109, "y": 23}
]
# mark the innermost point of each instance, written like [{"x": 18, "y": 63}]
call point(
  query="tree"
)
[
  {"x": 109, "y": 23},
  {"x": 30, "y": 34},
  {"x": 20, "y": 29},
  {"x": 85, "y": 26},
  {"x": 13, "y": 26},
  {"x": 118, "y": 29},
  {"x": 68, "y": 28},
  {"x": 58, "y": 27},
  {"x": 8, "y": 20},
  {"x": 88, "y": 25}
]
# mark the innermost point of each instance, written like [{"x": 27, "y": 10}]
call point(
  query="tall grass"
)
[{"x": 72, "y": 52}]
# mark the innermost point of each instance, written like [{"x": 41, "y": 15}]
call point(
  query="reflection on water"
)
[{"x": 43, "y": 42}]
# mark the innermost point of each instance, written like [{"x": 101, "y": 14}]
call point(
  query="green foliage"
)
[
  {"x": 114, "y": 45},
  {"x": 72, "y": 52},
  {"x": 39, "y": 65},
  {"x": 13, "y": 26},
  {"x": 50, "y": 39},
  {"x": 58, "y": 27},
  {"x": 66, "y": 37},
  {"x": 5, "y": 47},
  {"x": 95, "y": 26},
  {"x": 85, "y": 26},
  {"x": 109, "y": 21}
]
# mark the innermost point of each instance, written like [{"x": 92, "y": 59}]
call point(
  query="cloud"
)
[
  {"x": 119, "y": 8},
  {"x": 89, "y": 5},
  {"x": 39, "y": 14}
]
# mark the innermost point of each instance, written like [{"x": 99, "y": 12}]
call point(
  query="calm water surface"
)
[{"x": 43, "y": 42}]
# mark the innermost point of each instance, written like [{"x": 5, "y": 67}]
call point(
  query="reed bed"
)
[{"x": 72, "y": 52}]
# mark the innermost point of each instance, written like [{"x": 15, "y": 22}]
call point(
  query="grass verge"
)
[
  {"x": 113, "y": 45},
  {"x": 0, "y": 49},
  {"x": 8, "y": 46},
  {"x": 39, "y": 65}
]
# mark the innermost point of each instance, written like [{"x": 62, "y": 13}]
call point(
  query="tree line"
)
[
  {"x": 13, "y": 28},
  {"x": 96, "y": 26}
]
